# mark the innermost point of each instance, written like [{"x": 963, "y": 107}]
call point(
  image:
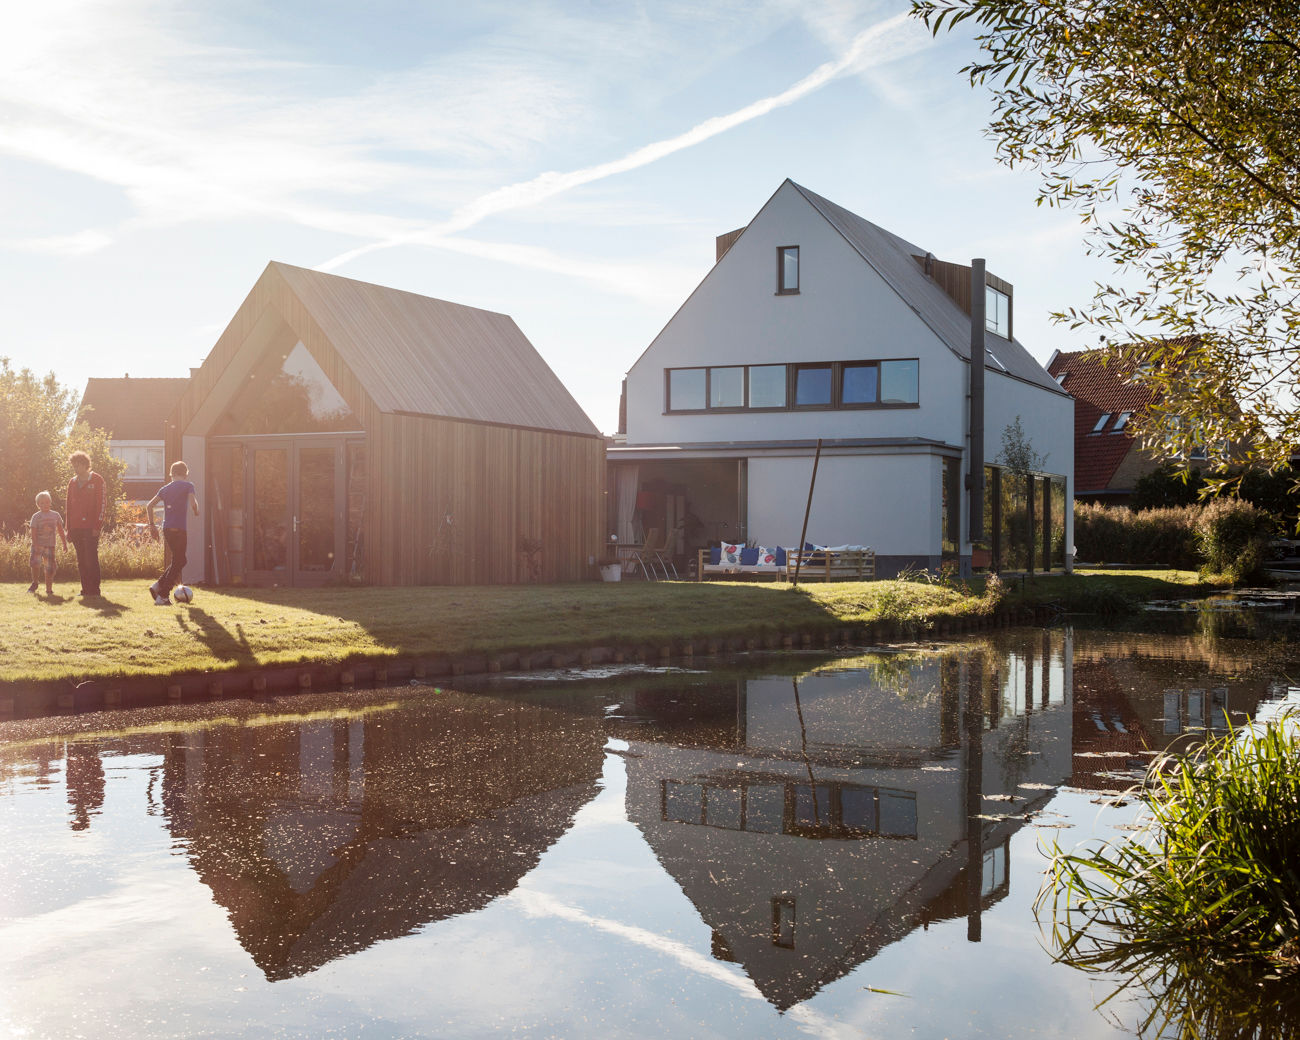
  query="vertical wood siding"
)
[{"x": 499, "y": 484}]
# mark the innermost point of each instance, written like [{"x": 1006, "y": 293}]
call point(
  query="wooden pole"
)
[{"x": 803, "y": 535}]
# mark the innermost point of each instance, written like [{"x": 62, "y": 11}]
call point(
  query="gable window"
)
[
  {"x": 997, "y": 312},
  {"x": 787, "y": 270},
  {"x": 727, "y": 387},
  {"x": 686, "y": 389},
  {"x": 812, "y": 386},
  {"x": 900, "y": 382},
  {"x": 1101, "y": 423},
  {"x": 860, "y": 384},
  {"x": 767, "y": 386}
]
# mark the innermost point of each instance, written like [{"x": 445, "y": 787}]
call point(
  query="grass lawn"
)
[{"x": 63, "y": 637}]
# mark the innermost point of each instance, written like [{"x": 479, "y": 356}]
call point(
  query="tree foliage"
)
[
  {"x": 1018, "y": 453},
  {"x": 36, "y": 438},
  {"x": 1173, "y": 127}
]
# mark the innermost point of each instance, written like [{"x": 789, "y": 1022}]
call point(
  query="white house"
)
[{"x": 815, "y": 324}]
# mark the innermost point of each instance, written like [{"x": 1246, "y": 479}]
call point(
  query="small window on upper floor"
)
[
  {"x": 1121, "y": 421},
  {"x": 787, "y": 270},
  {"x": 997, "y": 312},
  {"x": 1101, "y": 423},
  {"x": 1060, "y": 379}
]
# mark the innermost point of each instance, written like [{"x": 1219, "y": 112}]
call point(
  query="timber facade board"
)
[{"x": 461, "y": 418}]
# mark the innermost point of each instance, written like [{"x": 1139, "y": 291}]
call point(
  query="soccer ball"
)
[{"x": 183, "y": 593}]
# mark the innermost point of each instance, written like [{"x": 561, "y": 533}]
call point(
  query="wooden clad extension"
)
[{"x": 462, "y": 419}]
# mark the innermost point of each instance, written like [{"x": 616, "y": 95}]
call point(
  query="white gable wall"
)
[
  {"x": 886, "y": 496},
  {"x": 844, "y": 311}
]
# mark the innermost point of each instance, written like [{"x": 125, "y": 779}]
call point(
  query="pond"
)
[{"x": 829, "y": 845}]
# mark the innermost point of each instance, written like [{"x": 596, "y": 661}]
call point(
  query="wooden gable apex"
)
[{"x": 385, "y": 350}]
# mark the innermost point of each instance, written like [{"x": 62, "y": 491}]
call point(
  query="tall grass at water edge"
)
[
  {"x": 1207, "y": 890},
  {"x": 122, "y": 554}
]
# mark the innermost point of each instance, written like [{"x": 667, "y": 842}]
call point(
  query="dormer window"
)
[
  {"x": 1101, "y": 423},
  {"x": 997, "y": 312},
  {"x": 787, "y": 270}
]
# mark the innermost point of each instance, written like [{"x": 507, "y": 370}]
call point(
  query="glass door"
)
[
  {"x": 272, "y": 519},
  {"x": 317, "y": 519},
  {"x": 296, "y": 493}
]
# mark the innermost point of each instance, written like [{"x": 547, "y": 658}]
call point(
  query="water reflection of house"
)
[
  {"x": 814, "y": 821},
  {"x": 324, "y": 837},
  {"x": 1137, "y": 693}
]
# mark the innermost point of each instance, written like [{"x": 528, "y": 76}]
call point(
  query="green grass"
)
[{"x": 59, "y": 637}]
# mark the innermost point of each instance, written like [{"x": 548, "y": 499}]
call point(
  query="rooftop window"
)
[
  {"x": 1101, "y": 423},
  {"x": 997, "y": 312},
  {"x": 1121, "y": 421}
]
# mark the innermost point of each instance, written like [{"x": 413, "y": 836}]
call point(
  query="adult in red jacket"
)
[{"x": 85, "y": 510}]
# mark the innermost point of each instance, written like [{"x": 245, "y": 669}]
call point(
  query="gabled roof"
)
[
  {"x": 130, "y": 409},
  {"x": 420, "y": 355},
  {"x": 1098, "y": 389},
  {"x": 893, "y": 258}
]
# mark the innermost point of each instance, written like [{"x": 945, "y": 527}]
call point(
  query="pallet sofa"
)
[{"x": 813, "y": 563}]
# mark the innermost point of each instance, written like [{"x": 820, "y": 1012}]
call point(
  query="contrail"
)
[{"x": 548, "y": 185}]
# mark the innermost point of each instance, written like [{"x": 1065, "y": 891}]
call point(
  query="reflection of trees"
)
[
  {"x": 270, "y": 509},
  {"x": 285, "y": 404},
  {"x": 85, "y": 783},
  {"x": 316, "y": 509}
]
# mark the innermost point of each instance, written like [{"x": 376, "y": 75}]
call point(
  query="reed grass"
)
[
  {"x": 122, "y": 554},
  {"x": 1208, "y": 888}
]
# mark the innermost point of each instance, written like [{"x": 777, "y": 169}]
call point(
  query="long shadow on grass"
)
[
  {"x": 445, "y": 618},
  {"x": 220, "y": 641},
  {"x": 103, "y": 606}
]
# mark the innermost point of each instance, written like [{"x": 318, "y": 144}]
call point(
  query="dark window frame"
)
[
  {"x": 782, "y": 289},
  {"x": 792, "y": 368}
]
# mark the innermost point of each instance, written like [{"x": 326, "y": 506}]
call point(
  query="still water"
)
[{"x": 831, "y": 845}]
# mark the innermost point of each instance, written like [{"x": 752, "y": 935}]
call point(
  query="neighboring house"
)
[
  {"x": 133, "y": 412},
  {"x": 341, "y": 430},
  {"x": 1108, "y": 459},
  {"x": 815, "y": 323}
]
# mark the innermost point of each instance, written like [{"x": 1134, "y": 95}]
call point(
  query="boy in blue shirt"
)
[{"x": 178, "y": 499}]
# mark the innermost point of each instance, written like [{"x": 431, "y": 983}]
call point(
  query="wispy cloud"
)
[
  {"x": 540, "y": 904},
  {"x": 884, "y": 41}
]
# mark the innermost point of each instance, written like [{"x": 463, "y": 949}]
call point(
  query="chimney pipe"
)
[{"x": 975, "y": 477}]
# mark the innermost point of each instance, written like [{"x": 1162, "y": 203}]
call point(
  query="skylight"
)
[
  {"x": 1121, "y": 421},
  {"x": 1101, "y": 423}
]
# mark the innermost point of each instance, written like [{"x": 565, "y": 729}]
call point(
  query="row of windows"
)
[{"x": 824, "y": 384}]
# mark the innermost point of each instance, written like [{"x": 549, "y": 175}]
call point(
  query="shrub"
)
[
  {"x": 1115, "y": 534},
  {"x": 122, "y": 554},
  {"x": 1233, "y": 537}
]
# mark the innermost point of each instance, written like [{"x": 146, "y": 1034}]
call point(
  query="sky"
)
[{"x": 567, "y": 163}]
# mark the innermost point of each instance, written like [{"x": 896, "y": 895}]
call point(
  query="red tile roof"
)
[
  {"x": 130, "y": 409},
  {"x": 1098, "y": 389}
]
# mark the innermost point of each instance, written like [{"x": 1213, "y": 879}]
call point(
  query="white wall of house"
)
[
  {"x": 888, "y": 502},
  {"x": 843, "y": 311},
  {"x": 889, "y": 498}
]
